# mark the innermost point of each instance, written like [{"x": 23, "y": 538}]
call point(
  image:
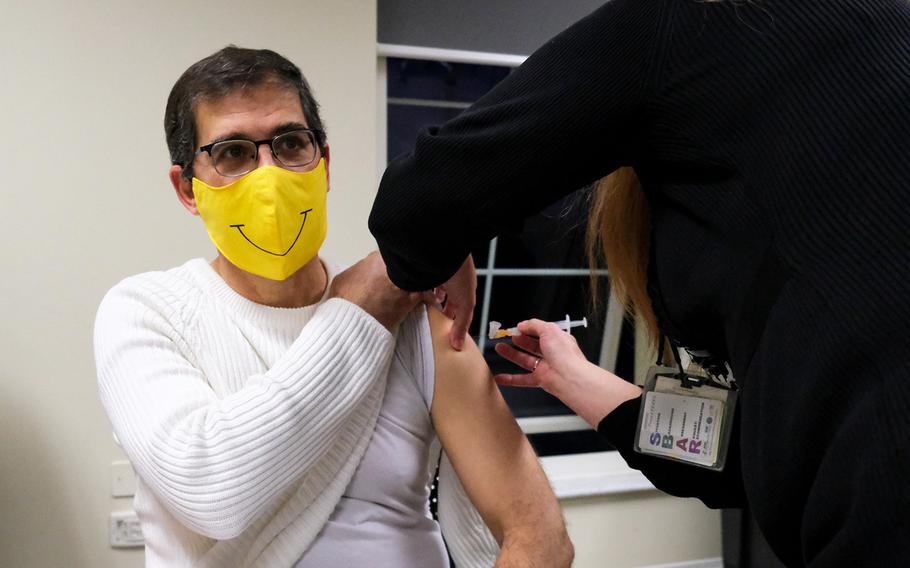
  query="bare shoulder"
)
[
  {"x": 461, "y": 374},
  {"x": 467, "y": 404}
]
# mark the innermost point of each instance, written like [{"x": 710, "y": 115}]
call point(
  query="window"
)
[{"x": 541, "y": 272}]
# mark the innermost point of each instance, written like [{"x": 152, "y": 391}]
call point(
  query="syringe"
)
[{"x": 496, "y": 331}]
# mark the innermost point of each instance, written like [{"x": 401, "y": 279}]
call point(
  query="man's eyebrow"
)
[
  {"x": 287, "y": 127},
  {"x": 280, "y": 129},
  {"x": 236, "y": 135}
]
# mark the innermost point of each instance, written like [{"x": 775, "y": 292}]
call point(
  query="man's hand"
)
[
  {"x": 459, "y": 296},
  {"x": 367, "y": 284}
]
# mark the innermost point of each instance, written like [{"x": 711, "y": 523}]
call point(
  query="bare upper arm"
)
[{"x": 496, "y": 464}]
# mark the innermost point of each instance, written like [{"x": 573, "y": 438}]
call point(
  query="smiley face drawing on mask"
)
[{"x": 270, "y": 222}]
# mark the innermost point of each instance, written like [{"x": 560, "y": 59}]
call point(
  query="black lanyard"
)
[{"x": 688, "y": 381}]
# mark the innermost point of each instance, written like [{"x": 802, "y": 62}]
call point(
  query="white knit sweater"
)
[{"x": 243, "y": 450}]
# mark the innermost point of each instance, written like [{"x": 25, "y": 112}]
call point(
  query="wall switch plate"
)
[
  {"x": 123, "y": 479},
  {"x": 126, "y": 530}
]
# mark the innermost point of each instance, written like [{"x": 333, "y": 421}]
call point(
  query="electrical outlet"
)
[{"x": 126, "y": 530}]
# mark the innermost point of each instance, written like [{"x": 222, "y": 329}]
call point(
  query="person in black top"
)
[{"x": 771, "y": 140}]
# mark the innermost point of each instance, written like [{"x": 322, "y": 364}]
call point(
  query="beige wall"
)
[
  {"x": 85, "y": 201},
  {"x": 641, "y": 529}
]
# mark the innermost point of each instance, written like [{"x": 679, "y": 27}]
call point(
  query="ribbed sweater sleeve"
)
[
  {"x": 559, "y": 122},
  {"x": 217, "y": 461}
]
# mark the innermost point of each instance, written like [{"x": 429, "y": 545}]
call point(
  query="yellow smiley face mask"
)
[{"x": 270, "y": 222}]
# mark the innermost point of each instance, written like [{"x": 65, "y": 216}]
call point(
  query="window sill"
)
[{"x": 591, "y": 475}]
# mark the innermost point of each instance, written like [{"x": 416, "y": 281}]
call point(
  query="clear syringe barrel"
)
[
  {"x": 496, "y": 331},
  {"x": 568, "y": 323}
]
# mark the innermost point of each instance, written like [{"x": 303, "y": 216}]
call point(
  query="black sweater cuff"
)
[{"x": 618, "y": 427}]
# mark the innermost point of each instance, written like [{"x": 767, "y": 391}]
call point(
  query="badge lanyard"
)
[{"x": 687, "y": 412}]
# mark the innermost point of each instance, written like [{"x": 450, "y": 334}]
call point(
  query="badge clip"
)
[{"x": 686, "y": 415}]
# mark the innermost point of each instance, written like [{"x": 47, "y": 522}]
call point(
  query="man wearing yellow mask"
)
[{"x": 279, "y": 411}]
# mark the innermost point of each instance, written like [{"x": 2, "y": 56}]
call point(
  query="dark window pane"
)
[
  {"x": 481, "y": 254},
  {"x": 528, "y": 402},
  {"x": 577, "y": 442},
  {"x": 405, "y": 122},
  {"x": 440, "y": 80},
  {"x": 625, "y": 359}
]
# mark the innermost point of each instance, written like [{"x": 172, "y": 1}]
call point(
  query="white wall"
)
[
  {"x": 641, "y": 529},
  {"x": 85, "y": 201}
]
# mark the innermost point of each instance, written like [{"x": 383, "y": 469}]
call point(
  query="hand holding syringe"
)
[
  {"x": 496, "y": 331},
  {"x": 550, "y": 359}
]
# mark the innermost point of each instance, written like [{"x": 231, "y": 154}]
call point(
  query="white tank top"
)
[{"x": 383, "y": 518}]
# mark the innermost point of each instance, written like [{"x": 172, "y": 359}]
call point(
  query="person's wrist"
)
[
  {"x": 593, "y": 392},
  {"x": 577, "y": 379}
]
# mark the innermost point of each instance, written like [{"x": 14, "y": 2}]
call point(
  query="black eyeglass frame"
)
[{"x": 318, "y": 136}]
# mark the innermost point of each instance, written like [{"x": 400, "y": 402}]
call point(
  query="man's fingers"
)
[
  {"x": 449, "y": 310},
  {"x": 456, "y": 340},
  {"x": 430, "y": 299},
  {"x": 458, "y": 305},
  {"x": 458, "y": 333},
  {"x": 463, "y": 319},
  {"x": 508, "y": 380}
]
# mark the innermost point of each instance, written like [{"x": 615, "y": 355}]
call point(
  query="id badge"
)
[{"x": 686, "y": 424}]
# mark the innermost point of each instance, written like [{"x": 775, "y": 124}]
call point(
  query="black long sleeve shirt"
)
[{"x": 772, "y": 140}]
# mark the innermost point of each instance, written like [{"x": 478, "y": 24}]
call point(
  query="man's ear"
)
[
  {"x": 184, "y": 188},
  {"x": 328, "y": 177}
]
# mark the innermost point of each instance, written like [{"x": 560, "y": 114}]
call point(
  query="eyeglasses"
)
[{"x": 294, "y": 149}]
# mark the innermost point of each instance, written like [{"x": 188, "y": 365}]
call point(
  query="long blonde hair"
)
[{"x": 619, "y": 234}]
